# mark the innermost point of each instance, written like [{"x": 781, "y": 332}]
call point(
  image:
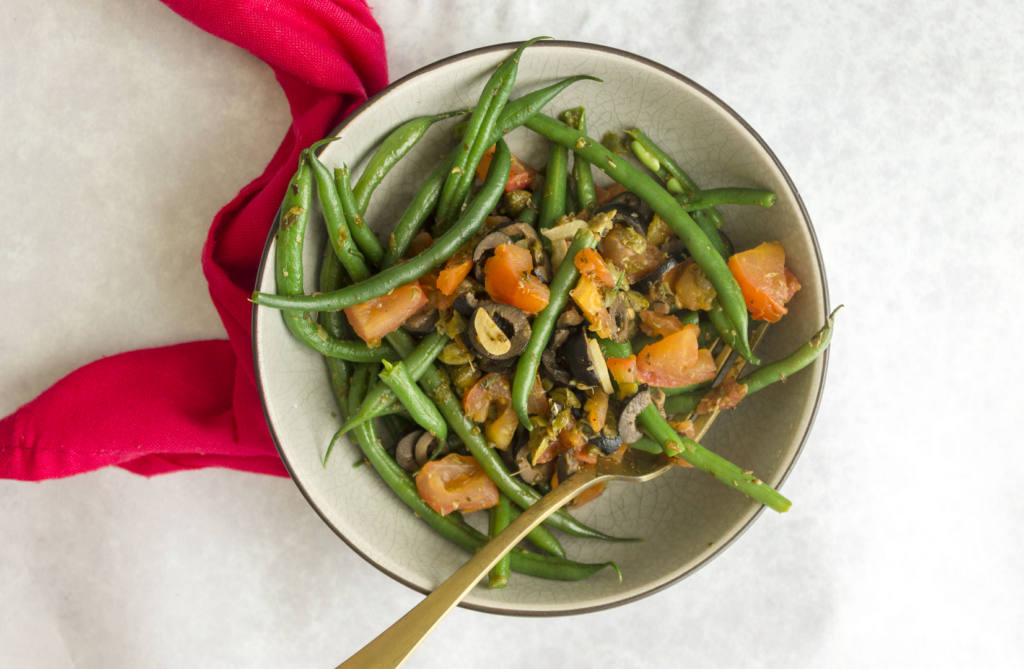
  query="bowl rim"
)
[{"x": 586, "y": 46}]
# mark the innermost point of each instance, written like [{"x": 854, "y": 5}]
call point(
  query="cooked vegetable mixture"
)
[{"x": 526, "y": 327}]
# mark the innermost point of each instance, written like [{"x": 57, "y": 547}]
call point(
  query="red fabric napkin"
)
[{"x": 195, "y": 405}]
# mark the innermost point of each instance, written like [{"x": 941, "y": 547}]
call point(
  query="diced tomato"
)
[
  {"x": 597, "y": 409},
  {"x": 537, "y": 402},
  {"x": 520, "y": 176},
  {"x": 457, "y": 269},
  {"x": 699, "y": 372},
  {"x": 492, "y": 389},
  {"x": 588, "y": 297},
  {"x": 420, "y": 243},
  {"x": 585, "y": 456},
  {"x": 691, "y": 287},
  {"x": 601, "y": 195},
  {"x": 572, "y": 438},
  {"x": 654, "y": 324},
  {"x": 623, "y": 370},
  {"x": 684, "y": 427},
  {"x": 664, "y": 363},
  {"x": 628, "y": 250},
  {"x": 382, "y": 315},
  {"x": 508, "y": 279},
  {"x": 590, "y": 263},
  {"x": 456, "y": 483},
  {"x": 726, "y": 396},
  {"x": 766, "y": 282}
]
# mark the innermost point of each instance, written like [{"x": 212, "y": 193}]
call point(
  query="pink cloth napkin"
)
[{"x": 195, "y": 405}]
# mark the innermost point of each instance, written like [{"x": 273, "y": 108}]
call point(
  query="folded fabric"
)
[{"x": 195, "y": 405}]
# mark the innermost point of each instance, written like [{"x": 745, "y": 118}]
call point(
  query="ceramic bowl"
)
[{"x": 685, "y": 517}]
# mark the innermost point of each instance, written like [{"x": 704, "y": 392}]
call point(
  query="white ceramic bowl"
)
[{"x": 685, "y": 517}]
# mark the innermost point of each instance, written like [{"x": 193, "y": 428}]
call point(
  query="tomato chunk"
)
[
  {"x": 492, "y": 389},
  {"x": 382, "y": 315},
  {"x": 590, "y": 300},
  {"x": 590, "y": 263},
  {"x": 691, "y": 287},
  {"x": 623, "y": 370},
  {"x": 456, "y": 269},
  {"x": 766, "y": 282},
  {"x": 520, "y": 176},
  {"x": 597, "y": 409},
  {"x": 628, "y": 250},
  {"x": 537, "y": 403},
  {"x": 664, "y": 363},
  {"x": 508, "y": 279},
  {"x": 652, "y": 323},
  {"x": 456, "y": 483}
]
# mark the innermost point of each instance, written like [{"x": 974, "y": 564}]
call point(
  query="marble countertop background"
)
[{"x": 126, "y": 128}]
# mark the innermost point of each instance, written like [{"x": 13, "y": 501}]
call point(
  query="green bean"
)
[
  {"x": 417, "y": 212},
  {"x": 552, "y": 206},
  {"x": 334, "y": 216},
  {"x": 665, "y": 206},
  {"x": 703, "y": 220},
  {"x": 422, "y": 410},
  {"x": 673, "y": 168},
  {"x": 705, "y": 199},
  {"x": 291, "y": 231},
  {"x": 394, "y": 147},
  {"x": 726, "y": 329},
  {"x": 362, "y": 235},
  {"x": 516, "y": 113},
  {"x": 476, "y": 139},
  {"x": 706, "y": 461},
  {"x": 584, "y": 178},
  {"x": 469, "y": 433},
  {"x": 769, "y": 374},
  {"x": 399, "y": 275},
  {"x": 381, "y": 397},
  {"x": 396, "y": 424},
  {"x": 571, "y": 205},
  {"x": 498, "y": 518},
  {"x": 529, "y": 213},
  {"x": 333, "y": 277},
  {"x": 672, "y": 184},
  {"x": 544, "y": 324}
]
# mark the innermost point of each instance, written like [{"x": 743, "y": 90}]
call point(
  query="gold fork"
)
[{"x": 397, "y": 643}]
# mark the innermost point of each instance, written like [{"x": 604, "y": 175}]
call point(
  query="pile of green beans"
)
[{"x": 398, "y": 381}]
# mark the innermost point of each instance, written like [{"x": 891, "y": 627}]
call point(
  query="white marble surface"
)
[{"x": 125, "y": 129}]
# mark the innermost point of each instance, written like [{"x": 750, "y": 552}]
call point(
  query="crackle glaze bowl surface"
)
[{"x": 685, "y": 517}]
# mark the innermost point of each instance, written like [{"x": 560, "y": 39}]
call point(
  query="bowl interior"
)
[{"x": 684, "y": 517}]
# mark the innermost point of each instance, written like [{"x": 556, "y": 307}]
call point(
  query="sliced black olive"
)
[
  {"x": 652, "y": 278},
  {"x": 567, "y": 465},
  {"x": 675, "y": 248},
  {"x": 625, "y": 215},
  {"x": 607, "y": 445},
  {"x": 622, "y": 315},
  {"x": 586, "y": 362},
  {"x": 467, "y": 303},
  {"x": 405, "y": 451},
  {"x": 425, "y": 447},
  {"x": 628, "y": 431},
  {"x": 553, "y": 367},
  {"x": 495, "y": 366},
  {"x": 423, "y": 321},
  {"x": 485, "y": 249},
  {"x": 532, "y": 474},
  {"x": 498, "y": 331}
]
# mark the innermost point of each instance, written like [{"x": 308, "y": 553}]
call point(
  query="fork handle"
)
[{"x": 397, "y": 643}]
